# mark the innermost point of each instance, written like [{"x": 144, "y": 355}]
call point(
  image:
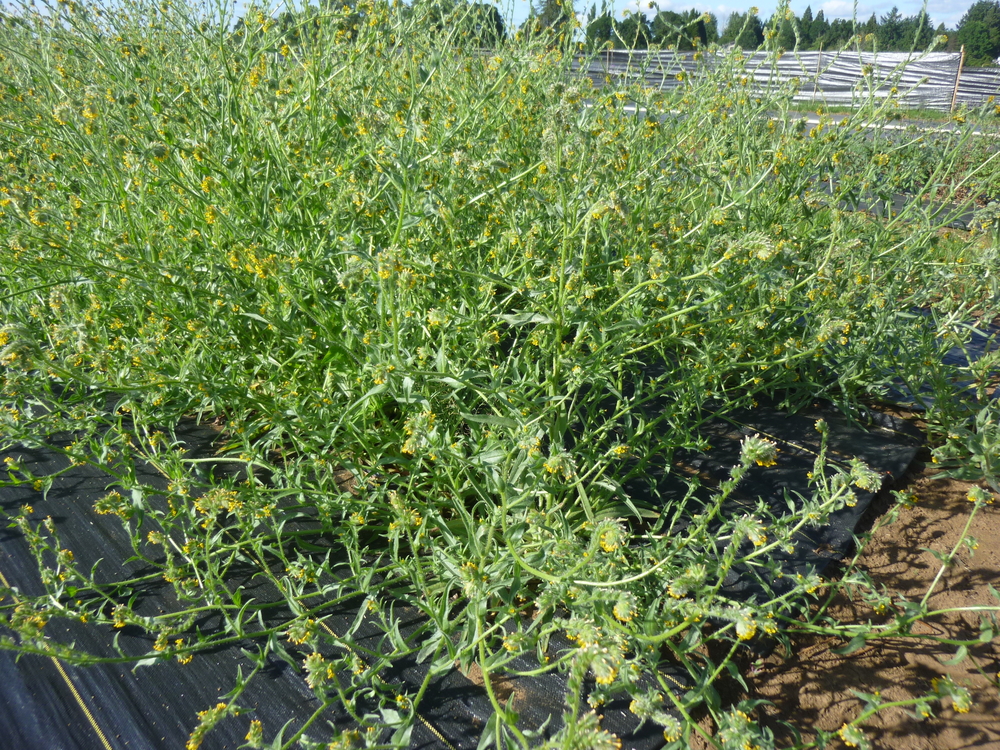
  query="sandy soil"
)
[{"x": 812, "y": 688}]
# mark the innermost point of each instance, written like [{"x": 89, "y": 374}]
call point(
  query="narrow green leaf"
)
[
  {"x": 958, "y": 658},
  {"x": 853, "y": 645}
]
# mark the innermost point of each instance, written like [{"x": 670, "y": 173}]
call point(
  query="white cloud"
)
[
  {"x": 722, "y": 12},
  {"x": 838, "y": 9},
  {"x": 643, "y": 6},
  {"x": 637, "y": 6}
]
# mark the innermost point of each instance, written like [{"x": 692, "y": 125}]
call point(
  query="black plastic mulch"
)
[
  {"x": 885, "y": 443},
  {"x": 154, "y": 706},
  {"x": 984, "y": 339},
  {"x": 44, "y": 704}
]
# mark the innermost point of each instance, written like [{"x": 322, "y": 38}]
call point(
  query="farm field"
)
[{"x": 387, "y": 368}]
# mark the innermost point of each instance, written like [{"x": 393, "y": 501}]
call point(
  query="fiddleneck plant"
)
[{"x": 450, "y": 307}]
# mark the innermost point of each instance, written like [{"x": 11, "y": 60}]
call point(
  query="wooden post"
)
[{"x": 958, "y": 77}]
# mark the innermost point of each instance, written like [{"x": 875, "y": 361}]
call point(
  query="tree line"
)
[
  {"x": 978, "y": 31},
  {"x": 479, "y": 23},
  {"x": 689, "y": 29}
]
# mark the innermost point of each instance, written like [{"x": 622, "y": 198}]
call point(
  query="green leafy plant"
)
[{"x": 449, "y": 309}]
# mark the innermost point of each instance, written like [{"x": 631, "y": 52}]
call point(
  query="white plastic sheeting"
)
[
  {"x": 922, "y": 81},
  {"x": 978, "y": 85}
]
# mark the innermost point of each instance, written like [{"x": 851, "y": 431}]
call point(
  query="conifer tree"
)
[{"x": 979, "y": 31}]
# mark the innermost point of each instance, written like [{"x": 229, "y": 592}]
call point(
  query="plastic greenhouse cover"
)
[{"x": 923, "y": 80}]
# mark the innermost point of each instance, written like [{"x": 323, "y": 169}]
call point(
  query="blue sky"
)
[{"x": 948, "y": 12}]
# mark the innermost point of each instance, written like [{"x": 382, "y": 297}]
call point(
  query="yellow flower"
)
[
  {"x": 301, "y": 631},
  {"x": 979, "y": 496},
  {"x": 119, "y": 616},
  {"x": 625, "y": 608},
  {"x": 255, "y": 735},
  {"x": 671, "y": 729},
  {"x": 746, "y": 628},
  {"x": 760, "y": 451},
  {"x": 611, "y": 535}
]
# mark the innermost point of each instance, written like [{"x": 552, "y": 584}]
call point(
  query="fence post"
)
[{"x": 958, "y": 77}]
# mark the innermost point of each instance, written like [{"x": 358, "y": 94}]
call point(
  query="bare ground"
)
[{"x": 812, "y": 688}]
